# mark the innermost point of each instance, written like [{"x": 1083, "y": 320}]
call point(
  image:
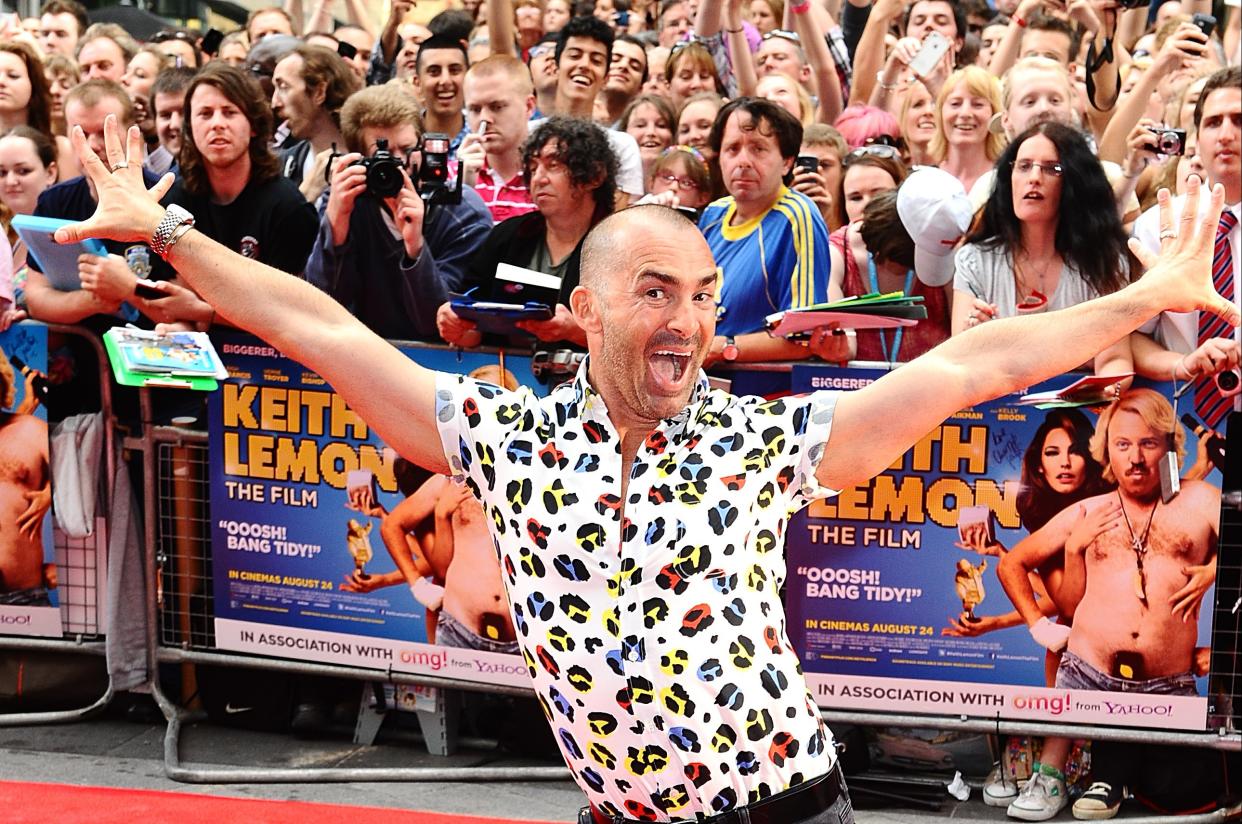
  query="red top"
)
[{"x": 915, "y": 340}]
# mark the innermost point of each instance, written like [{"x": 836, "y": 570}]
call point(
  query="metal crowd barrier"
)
[
  {"x": 81, "y": 565},
  {"x": 179, "y": 606}
]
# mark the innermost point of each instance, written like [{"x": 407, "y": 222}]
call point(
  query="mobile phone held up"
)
[
  {"x": 806, "y": 163},
  {"x": 934, "y": 47},
  {"x": 1205, "y": 22},
  {"x": 210, "y": 44}
]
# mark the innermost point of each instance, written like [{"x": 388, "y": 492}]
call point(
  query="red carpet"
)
[{"x": 24, "y": 803}]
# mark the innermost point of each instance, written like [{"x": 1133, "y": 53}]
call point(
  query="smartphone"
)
[
  {"x": 147, "y": 289},
  {"x": 622, "y": 19},
  {"x": 210, "y": 44},
  {"x": 1205, "y": 22},
  {"x": 809, "y": 163},
  {"x": 347, "y": 51},
  {"x": 934, "y": 47}
]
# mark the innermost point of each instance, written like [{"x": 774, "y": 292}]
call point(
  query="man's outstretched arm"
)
[
  {"x": 874, "y": 426},
  {"x": 388, "y": 390}
]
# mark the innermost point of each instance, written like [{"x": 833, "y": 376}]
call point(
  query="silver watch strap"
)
[{"x": 174, "y": 217}]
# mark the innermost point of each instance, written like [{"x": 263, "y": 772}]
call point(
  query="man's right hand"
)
[
  {"x": 456, "y": 330},
  {"x": 1050, "y": 635},
  {"x": 348, "y": 182}
]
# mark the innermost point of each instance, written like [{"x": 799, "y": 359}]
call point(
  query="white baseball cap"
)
[{"x": 934, "y": 208}]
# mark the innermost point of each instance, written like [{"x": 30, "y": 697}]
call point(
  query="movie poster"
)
[
  {"x": 28, "y": 597},
  {"x": 894, "y": 598},
  {"x": 309, "y": 509}
]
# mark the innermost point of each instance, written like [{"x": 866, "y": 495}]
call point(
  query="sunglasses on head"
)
[
  {"x": 783, "y": 34},
  {"x": 874, "y": 150}
]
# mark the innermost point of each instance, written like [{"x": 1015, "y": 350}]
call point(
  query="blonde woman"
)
[{"x": 963, "y": 145}]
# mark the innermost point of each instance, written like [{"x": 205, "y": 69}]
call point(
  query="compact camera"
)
[
  {"x": 383, "y": 171},
  {"x": 1169, "y": 141}
]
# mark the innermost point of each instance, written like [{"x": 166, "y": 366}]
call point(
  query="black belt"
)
[{"x": 803, "y": 801}]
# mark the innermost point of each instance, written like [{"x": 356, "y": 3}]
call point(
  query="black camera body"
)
[
  {"x": 1169, "y": 141},
  {"x": 433, "y": 172},
  {"x": 383, "y": 171}
]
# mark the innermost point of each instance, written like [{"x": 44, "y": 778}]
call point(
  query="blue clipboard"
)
[
  {"x": 498, "y": 318},
  {"x": 57, "y": 261}
]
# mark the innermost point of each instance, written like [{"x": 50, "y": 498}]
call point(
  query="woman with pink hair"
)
[{"x": 862, "y": 125}]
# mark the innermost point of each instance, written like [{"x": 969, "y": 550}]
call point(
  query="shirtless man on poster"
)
[
  {"x": 1139, "y": 585},
  {"x": 24, "y": 478},
  {"x": 471, "y": 605}
]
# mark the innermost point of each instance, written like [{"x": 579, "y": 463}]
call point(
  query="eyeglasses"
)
[
  {"x": 539, "y": 51},
  {"x": 1025, "y": 166},
  {"x": 876, "y": 150},
  {"x": 784, "y": 34},
  {"x": 883, "y": 140},
  {"x": 684, "y": 183}
]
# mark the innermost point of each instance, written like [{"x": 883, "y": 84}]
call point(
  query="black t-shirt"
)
[
  {"x": 269, "y": 222},
  {"x": 71, "y": 200}
]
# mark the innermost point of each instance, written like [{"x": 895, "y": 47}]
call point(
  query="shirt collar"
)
[{"x": 590, "y": 403}]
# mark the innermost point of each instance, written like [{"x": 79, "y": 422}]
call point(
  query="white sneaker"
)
[
  {"x": 999, "y": 788},
  {"x": 1041, "y": 799}
]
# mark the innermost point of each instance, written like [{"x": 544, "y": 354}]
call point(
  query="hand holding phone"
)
[
  {"x": 148, "y": 289},
  {"x": 806, "y": 163},
  {"x": 934, "y": 47}
]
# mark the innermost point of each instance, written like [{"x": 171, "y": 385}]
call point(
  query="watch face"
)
[{"x": 730, "y": 351}]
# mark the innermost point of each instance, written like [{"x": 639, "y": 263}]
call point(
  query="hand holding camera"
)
[
  {"x": 471, "y": 156},
  {"x": 349, "y": 182},
  {"x": 1187, "y": 42}
]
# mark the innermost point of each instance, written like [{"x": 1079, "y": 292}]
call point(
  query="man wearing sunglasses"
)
[{"x": 387, "y": 257}]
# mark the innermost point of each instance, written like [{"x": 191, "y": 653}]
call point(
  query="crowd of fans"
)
[
  {"x": 395, "y": 166},
  {"x": 992, "y": 156}
]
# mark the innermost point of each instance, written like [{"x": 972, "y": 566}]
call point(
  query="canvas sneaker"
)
[
  {"x": 1099, "y": 803},
  {"x": 999, "y": 788},
  {"x": 1041, "y": 799}
]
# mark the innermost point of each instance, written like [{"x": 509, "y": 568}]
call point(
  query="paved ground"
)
[{"x": 120, "y": 750}]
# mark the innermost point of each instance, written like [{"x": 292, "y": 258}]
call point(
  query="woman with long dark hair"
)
[{"x": 1050, "y": 236}]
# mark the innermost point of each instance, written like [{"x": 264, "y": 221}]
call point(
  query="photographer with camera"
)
[{"x": 382, "y": 250}]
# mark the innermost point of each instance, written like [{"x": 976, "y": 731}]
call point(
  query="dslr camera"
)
[
  {"x": 432, "y": 180},
  {"x": 1169, "y": 141},
  {"x": 383, "y": 171}
]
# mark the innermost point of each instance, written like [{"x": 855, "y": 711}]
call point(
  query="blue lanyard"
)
[{"x": 875, "y": 287}]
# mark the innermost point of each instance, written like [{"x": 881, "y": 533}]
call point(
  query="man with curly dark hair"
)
[{"x": 571, "y": 173}]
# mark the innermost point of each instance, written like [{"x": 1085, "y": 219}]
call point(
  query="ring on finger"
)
[
  {"x": 1167, "y": 233},
  {"x": 120, "y": 164}
]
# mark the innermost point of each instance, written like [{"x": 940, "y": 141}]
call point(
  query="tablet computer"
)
[{"x": 57, "y": 261}]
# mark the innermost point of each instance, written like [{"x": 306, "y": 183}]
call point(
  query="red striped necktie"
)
[{"x": 1209, "y": 404}]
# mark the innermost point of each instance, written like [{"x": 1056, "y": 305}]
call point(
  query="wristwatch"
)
[
  {"x": 170, "y": 230},
  {"x": 730, "y": 351}
]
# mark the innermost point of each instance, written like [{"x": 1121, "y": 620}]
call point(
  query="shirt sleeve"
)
[
  {"x": 475, "y": 420},
  {"x": 629, "y": 164},
  {"x": 966, "y": 270},
  {"x": 797, "y": 428}
]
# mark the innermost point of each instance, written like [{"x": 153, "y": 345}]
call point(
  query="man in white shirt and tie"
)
[{"x": 1188, "y": 345}]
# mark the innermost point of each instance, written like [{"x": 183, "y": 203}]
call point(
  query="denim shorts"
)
[
  {"x": 1076, "y": 674},
  {"x": 451, "y": 633}
]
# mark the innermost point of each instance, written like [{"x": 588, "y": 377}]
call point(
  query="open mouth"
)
[
  {"x": 583, "y": 80},
  {"x": 1033, "y": 196},
  {"x": 669, "y": 365}
]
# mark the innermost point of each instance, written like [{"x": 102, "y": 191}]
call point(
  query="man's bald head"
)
[{"x": 607, "y": 245}]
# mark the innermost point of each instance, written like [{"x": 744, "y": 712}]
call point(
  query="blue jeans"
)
[
  {"x": 451, "y": 633},
  {"x": 1076, "y": 674}
]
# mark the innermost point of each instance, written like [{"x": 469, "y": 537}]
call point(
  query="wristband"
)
[
  {"x": 735, "y": 31},
  {"x": 1019, "y": 21},
  {"x": 888, "y": 87},
  {"x": 801, "y": 8}
]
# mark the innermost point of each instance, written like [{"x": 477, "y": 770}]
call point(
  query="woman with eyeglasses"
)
[
  {"x": 1050, "y": 236},
  {"x": 680, "y": 179},
  {"x": 650, "y": 120},
  {"x": 963, "y": 145}
]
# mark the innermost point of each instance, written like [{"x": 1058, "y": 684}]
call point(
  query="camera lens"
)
[{"x": 384, "y": 178}]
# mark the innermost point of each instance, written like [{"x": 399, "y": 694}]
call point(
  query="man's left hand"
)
[
  {"x": 1180, "y": 276},
  {"x": 408, "y": 210}
]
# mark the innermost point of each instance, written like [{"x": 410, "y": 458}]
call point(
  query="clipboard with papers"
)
[{"x": 873, "y": 311}]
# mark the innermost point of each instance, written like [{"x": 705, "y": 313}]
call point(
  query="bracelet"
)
[
  {"x": 888, "y": 87},
  {"x": 801, "y": 8},
  {"x": 177, "y": 234},
  {"x": 1020, "y": 22},
  {"x": 1181, "y": 364},
  {"x": 734, "y": 31}
]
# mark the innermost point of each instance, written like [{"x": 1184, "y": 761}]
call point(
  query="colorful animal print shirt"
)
[{"x": 656, "y": 640}]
